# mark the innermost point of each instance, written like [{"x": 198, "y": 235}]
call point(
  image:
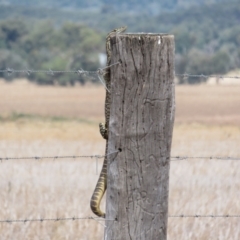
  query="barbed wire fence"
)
[
  {"x": 99, "y": 73},
  {"x": 97, "y": 219}
]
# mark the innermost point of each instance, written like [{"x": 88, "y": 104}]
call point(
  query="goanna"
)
[{"x": 102, "y": 181}]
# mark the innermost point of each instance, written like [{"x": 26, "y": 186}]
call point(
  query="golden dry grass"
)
[
  {"x": 204, "y": 104},
  {"x": 77, "y": 102},
  {"x": 208, "y": 104},
  {"x": 207, "y": 123}
]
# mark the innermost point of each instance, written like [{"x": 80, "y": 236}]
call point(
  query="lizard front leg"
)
[{"x": 103, "y": 130}]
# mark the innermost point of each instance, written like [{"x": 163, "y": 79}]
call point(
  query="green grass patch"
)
[{"x": 15, "y": 116}]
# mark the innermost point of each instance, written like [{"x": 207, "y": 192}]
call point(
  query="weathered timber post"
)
[{"x": 141, "y": 126}]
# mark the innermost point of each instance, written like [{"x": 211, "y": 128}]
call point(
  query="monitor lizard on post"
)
[{"x": 102, "y": 181}]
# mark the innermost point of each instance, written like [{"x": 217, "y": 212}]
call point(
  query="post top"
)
[
  {"x": 146, "y": 34},
  {"x": 143, "y": 35}
]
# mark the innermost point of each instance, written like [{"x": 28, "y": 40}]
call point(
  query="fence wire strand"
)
[
  {"x": 53, "y": 219},
  {"x": 227, "y": 158},
  {"x": 56, "y": 157},
  {"x": 174, "y": 158},
  {"x": 101, "y": 71},
  {"x": 204, "y": 216},
  {"x": 186, "y": 75},
  {"x": 98, "y": 219},
  {"x": 10, "y": 71}
]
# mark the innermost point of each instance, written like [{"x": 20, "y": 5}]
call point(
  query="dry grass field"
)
[{"x": 51, "y": 121}]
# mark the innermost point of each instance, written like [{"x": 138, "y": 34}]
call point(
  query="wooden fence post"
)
[{"x": 141, "y": 125}]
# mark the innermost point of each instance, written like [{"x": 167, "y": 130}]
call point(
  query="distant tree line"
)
[
  {"x": 145, "y": 6},
  {"x": 207, "y": 39},
  {"x": 69, "y": 47}
]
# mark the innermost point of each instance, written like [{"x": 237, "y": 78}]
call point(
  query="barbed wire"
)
[
  {"x": 186, "y": 75},
  {"x": 180, "y": 158},
  {"x": 174, "y": 158},
  {"x": 49, "y": 71},
  {"x": 204, "y": 216},
  {"x": 56, "y": 157},
  {"x": 101, "y": 71},
  {"x": 53, "y": 219},
  {"x": 98, "y": 219}
]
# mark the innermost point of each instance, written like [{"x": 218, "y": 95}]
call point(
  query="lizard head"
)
[{"x": 117, "y": 30}]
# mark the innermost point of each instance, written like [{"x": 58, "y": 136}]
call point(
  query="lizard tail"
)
[{"x": 99, "y": 191}]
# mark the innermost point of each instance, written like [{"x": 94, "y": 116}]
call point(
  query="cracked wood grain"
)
[{"x": 141, "y": 125}]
